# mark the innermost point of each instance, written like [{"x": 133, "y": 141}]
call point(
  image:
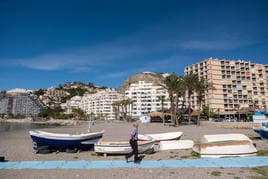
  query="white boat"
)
[
  {"x": 176, "y": 144},
  {"x": 107, "y": 147},
  {"x": 161, "y": 136},
  {"x": 225, "y": 145},
  {"x": 223, "y": 137}
]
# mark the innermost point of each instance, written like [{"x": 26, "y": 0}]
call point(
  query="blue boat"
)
[
  {"x": 262, "y": 131},
  {"x": 62, "y": 142}
]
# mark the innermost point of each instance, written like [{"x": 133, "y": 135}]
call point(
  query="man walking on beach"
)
[{"x": 133, "y": 141}]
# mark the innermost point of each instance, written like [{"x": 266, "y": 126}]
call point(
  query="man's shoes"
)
[
  {"x": 137, "y": 161},
  {"x": 126, "y": 158}
]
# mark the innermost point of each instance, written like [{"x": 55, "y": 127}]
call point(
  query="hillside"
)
[{"x": 144, "y": 76}]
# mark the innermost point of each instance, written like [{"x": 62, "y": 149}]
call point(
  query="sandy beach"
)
[{"x": 17, "y": 146}]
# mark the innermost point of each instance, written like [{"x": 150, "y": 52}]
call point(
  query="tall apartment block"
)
[
  {"x": 145, "y": 97},
  {"x": 237, "y": 84}
]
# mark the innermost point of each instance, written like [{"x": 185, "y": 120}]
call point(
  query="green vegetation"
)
[
  {"x": 194, "y": 154},
  {"x": 39, "y": 92},
  {"x": 262, "y": 171},
  {"x": 236, "y": 177},
  {"x": 262, "y": 153},
  {"x": 75, "y": 92},
  {"x": 216, "y": 173},
  {"x": 57, "y": 113},
  {"x": 176, "y": 86},
  {"x": 185, "y": 156}
]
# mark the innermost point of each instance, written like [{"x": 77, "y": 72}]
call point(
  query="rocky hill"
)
[{"x": 144, "y": 76}]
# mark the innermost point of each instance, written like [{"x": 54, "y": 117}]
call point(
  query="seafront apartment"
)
[{"x": 238, "y": 84}]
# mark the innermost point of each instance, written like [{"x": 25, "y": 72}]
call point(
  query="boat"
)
[
  {"x": 61, "y": 142},
  {"x": 124, "y": 147},
  {"x": 262, "y": 131},
  {"x": 225, "y": 145},
  {"x": 160, "y": 137},
  {"x": 176, "y": 144}
]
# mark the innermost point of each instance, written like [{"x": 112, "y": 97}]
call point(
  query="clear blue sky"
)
[{"x": 44, "y": 43}]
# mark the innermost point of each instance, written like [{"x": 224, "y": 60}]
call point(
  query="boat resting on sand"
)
[
  {"x": 161, "y": 136},
  {"x": 225, "y": 145},
  {"x": 176, "y": 144},
  {"x": 107, "y": 147},
  {"x": 262, "y": 131},
  {"x": 61, "y": 142}
]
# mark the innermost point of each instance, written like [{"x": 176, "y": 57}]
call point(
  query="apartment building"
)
[
  {"x": 237, "y": 84},
  {"x": 74, "y": 102},
  {"x": 21, "y": 104},
  {"x": 100, "y": 104},
  {"x": 145, "y": 96}
]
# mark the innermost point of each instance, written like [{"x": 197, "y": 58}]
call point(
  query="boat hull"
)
[
  {"x": 176, "y": 145},
  {"x": 61, "y": 143},
  {"x": 121, "y": 148},
  {"x": 225, "y": 145},
  {"x": 263, "y": 132},
  {"x": 160, "y": 137}
]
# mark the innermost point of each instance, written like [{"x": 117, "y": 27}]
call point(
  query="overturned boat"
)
[
  {"x": 176, "y": 145},
  {"x": 225, "y": 145},
  {"x": 107, "y": 147},
  {"x": 262, "y": 131},
  {"x": 61, "y": 142},
  {"x": 160, "y": 136}
]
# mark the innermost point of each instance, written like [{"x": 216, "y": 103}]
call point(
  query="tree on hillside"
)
[{"x": 39, "y": 92}]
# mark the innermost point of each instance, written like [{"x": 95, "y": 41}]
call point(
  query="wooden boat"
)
[
  {"x": 225, "y": 145},
  {"x": 121, "y": 147},
  {"x": 62, "y": 142},
  {"x": 176, "y": 144},
  {"x": 262, "y": 131},
  {"x": 161, "y": 136}
]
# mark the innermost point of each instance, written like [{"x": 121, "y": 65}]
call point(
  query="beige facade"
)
[{"x": 237, "y": 84}]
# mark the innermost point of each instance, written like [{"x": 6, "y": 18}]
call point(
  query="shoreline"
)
[
  {"x": 64, "y": 122},
  {"x": 60, "y": 122}
]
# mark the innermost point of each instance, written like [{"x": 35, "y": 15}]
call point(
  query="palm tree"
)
[
  {"x": 116, "y": 108},
  {"x": 125, "y": 103},
  {"x": 201, "y": 87},
  {"x": 162, "y": 100},
  {"x": 190, "y": 81},
  {"x": 180, "y": 92},
  {"x": 171, "y": 83}
]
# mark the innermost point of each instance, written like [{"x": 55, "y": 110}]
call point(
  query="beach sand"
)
[{"x": 17, "y": 146}]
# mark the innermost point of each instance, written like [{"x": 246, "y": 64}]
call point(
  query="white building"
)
[
  {"x": 145, "y": 97},
  {"x": 74, "y": 102},
  {"x": 100, "y": 104}
]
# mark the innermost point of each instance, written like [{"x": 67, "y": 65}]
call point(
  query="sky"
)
[{"x": 45, "y": 43}]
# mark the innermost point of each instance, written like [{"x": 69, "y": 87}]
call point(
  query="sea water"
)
[{"x": 9, "y": 127}]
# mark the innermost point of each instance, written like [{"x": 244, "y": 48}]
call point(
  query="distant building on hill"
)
[
  {"x": 145, "y": 90},
  {"x": 21, "y": 104},
  {"x": 74, "y": 102}
]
